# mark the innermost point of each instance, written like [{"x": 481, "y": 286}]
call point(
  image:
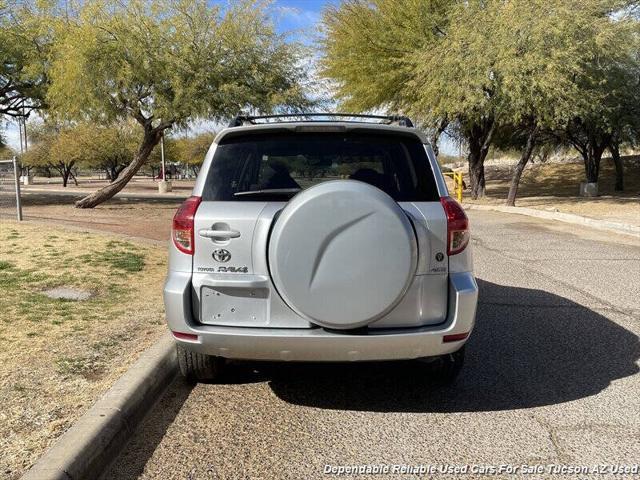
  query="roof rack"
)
[{"x": 241, "y": 120}]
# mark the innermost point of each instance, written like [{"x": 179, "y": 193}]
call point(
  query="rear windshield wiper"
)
[{"x": 268, "y": 191}]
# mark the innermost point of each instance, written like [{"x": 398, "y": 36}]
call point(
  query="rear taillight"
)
[
  {"x": 182, "y": 231},
  {"x": 457, "y": 226}
]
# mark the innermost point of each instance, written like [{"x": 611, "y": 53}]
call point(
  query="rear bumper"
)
[{"x": 318, "y": 344}]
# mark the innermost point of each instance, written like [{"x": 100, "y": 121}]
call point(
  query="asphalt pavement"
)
[{"x": 551, "y": 378}]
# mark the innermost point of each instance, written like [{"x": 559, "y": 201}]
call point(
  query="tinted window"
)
[{"x": 277, "y": 166}]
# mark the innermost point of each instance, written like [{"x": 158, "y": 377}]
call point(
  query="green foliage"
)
[
  {"x": 6, "y": 151},
  {"x": 489, "y": 65},
  {"x": 82, "y": 145},
  {"x": 192, "y": 150},
  {"x": 25, "y": 42},
  {"x": 369, "y": 48},
  {"x": 469, "y": 60},
  {"x": 163, "y": 63},
  {"x": 169, "y": 60}
]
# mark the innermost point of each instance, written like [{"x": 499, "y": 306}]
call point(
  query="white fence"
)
[{"x": 10, "y": 188}]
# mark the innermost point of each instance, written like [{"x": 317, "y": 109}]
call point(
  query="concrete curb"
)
[
  {"x": 624, "y": 228},
  {"x": 94, "y": 440}
]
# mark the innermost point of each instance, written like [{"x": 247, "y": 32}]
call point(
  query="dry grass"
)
[
  {"x": 58, "y": 356},
  {"x": 555, "y": 186}
]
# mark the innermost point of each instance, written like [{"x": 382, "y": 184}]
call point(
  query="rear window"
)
[{"x": 277, "y": 166}]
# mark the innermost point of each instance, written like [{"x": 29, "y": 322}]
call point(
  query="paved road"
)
[{"x": 551, "y": 378}]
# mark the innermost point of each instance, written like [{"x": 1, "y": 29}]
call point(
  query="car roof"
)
[{"x": 320, "y": 126}]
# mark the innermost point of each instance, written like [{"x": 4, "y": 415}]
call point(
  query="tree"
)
[
  {"x": 544, "y": 46},
  {"x": 423, "y": 59},
  {"x": 5, "y": 150},
  {"x": 64, "y": 148},
  {"x": 192, "y": 150},
  {"x": 108, "y": 148},
  {"x": 484, "y": 66},
  {"x": 165, "y": 62},
  {"x": 56, "y": 148},
  {"x": 25, "y": 40},
  {"x": 610, "y": 76}
]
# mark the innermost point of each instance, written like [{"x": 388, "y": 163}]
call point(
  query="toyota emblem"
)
[{"x": 221, "y": 255}]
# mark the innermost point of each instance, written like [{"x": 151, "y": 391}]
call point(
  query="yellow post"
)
[{"x": 458, "y": 182}]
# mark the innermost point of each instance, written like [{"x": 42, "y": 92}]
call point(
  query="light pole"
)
[
  {"x": 164, "y": 173},
  {"x": 163, "y": 185},
  {"x": 17, "y": 187}
]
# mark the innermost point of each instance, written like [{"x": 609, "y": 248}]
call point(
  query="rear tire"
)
[
  {"x": 446, "y": 368},
  {"x": 197, "y": 367}
]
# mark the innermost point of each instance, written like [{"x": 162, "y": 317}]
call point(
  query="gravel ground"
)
[{"x": 551, "y": 378}]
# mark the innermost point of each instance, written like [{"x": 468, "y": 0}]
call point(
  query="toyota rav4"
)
[{"x": 320, "y": 237}]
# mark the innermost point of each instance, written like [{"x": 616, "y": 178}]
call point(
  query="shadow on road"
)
[
  {"x": 529, "y": 348},
  {"x": 131, "y": 462}
]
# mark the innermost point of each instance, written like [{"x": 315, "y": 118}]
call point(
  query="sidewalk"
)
[
  {"x": 600, "y": 224},
  {"x": 132, "y": 193}
]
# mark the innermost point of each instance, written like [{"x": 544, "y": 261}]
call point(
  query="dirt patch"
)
[
  {"x": 148, "y": 218},
  {"x": 68, "y": 293},
  {"x": 66, "y": 353}
]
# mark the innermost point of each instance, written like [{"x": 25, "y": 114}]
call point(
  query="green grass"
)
[
  {"x": 103, "y": 270},
  {"x": 120, "y": 256},
  {"x": 4, "y": 265}
]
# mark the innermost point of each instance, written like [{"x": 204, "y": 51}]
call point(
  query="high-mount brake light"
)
[
  {"x": 457, "y": 226},
  {"x": 182, "y": 231}
]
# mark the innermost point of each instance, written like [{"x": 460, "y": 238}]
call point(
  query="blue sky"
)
[{"x": 300, "y": 17}]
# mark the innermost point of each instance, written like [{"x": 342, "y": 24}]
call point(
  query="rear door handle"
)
[{"x": 226, "y": 234}]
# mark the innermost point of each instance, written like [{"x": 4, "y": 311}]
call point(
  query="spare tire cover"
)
[{"x": 342, "y": 254}]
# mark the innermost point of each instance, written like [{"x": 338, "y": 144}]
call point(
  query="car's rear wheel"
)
[
  {"x": 197, "y": 367},
  {"x": 444, "y": 369}
]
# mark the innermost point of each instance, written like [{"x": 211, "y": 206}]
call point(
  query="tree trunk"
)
[
  {"x": 435, "y": 136},
  {"x": 65, "y": 177},
  {"x": 117, "y": 171},
  {"x": 479, "y": 139},
  {"x": 150, "y": 140},
  {"x": 592, "y": 156},
  {"x": 590, "y": 170},
  {"x": 614, "y": 148},
  {"x": 73, "y": 177},
  {"x": 517, "y": 174},
  {"x": 476, "y": 173}
]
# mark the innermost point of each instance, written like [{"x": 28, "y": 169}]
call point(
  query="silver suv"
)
[{"x": 320, "y": 237}]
